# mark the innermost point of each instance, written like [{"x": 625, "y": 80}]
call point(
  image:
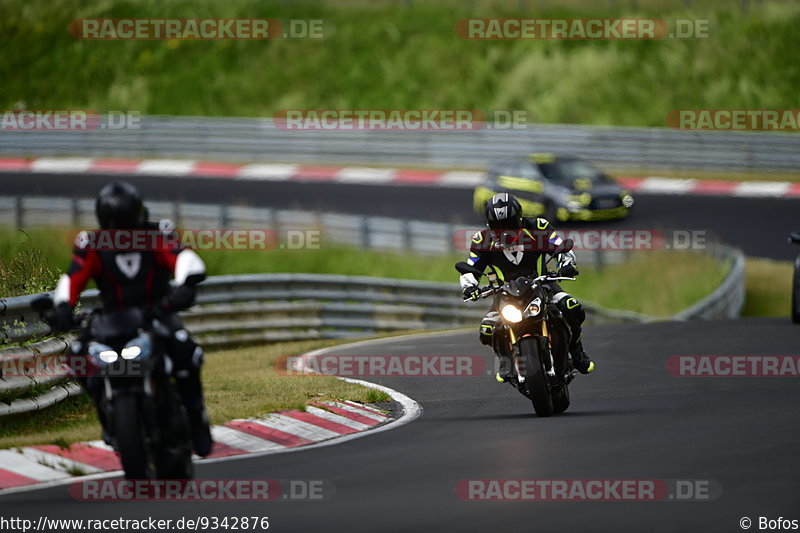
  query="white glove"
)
[
  {"x": 467, "y": 280},
  {"x": 567, "y": 258}
]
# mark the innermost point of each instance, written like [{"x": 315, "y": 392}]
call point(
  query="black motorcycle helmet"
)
[
  {"x": 503, "y": 212},
  {"x": 119, "y": 206}
]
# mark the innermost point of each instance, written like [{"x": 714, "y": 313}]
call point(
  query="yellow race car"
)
[{"x": 558, "y": 187}]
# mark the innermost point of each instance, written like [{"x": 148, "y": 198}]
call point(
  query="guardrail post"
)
[
  {"x": 365, "y": 231},
  {"x": 76, "y": 213},
  {"x": 405, "y": 235},
  {"x": 18, "y": 212},
  {"x": 176, "y": 213}
]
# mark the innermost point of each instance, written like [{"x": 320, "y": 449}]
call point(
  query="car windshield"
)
[{"x": 565, "y": 172}]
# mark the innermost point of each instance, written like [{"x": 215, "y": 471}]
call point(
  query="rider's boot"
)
[
  {"x": 94, "y": 389},
  {"x": 191, "y": 393},
  {"x": 201, "y": 430},
  {"x": 580, "y": 360},
  {"x": 504, "y": 370}
]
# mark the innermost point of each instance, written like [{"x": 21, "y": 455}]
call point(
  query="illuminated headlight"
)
[
  {"x": 131, "y": 352},
  {"x": 535, "y": 307},
  {"x": 108, "y": 356},
  {"x": 627, "y": 200},
  {"x": 140, "y": 346},
  {"x": 103, "y": 352},
  {"x": 511, "y": 314}
]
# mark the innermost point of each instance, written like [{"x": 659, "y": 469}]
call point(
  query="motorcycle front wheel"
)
[
  {"x": 130, "y": 437},
  {"x": 535, "y": 379}
]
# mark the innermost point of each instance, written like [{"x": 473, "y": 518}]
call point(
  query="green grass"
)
[
  {"x": 769, "y": 288},
  {"x": 387, "y": 54},
  {"x": 30, "y": 263}
]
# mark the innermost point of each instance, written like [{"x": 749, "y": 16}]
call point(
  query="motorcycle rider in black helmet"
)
[
  {"x": 513, "y": 246},
  {"x": 140, "y": 278}
]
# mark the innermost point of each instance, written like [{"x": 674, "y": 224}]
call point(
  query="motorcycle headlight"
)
[
  {"x": 511, "y": 314},
  {"x": 102, "y": 352},
  {"x": 535, "y": 307},
  {"x": 131, "y": 352},
  {"x": 140, "y": 346}
]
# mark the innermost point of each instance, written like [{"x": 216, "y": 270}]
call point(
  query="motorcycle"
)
[
  {"x": 121, "y": 356},
  {"x": 795, "y": 238},
  {"x": 533, "y": 336}
]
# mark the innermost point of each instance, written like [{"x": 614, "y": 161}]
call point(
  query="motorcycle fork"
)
[{"x": 543, "y": 334}]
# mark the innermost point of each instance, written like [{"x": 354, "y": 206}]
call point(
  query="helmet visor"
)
[{"x": 506, "y": 223}]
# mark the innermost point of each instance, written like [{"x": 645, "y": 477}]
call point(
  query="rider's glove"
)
[
  {"x": 61, "y": 319},
  {"x": 181, "y": 298},
  {"x": 566, "y": 264},
  {"x": 567, "y": 271},
  {"x": 469, "y": 286},
  {"x": 471, "y": 292}
]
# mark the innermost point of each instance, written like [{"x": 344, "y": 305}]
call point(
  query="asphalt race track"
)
[
  {"x": 758, "y": 226},
  {"x": 629, "y": 420}
]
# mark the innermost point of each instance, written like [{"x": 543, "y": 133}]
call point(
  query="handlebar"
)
[{"x": 489, "y": 290}]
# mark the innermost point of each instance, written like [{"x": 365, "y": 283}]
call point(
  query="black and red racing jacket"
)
[{"x": 128, "y": 275}]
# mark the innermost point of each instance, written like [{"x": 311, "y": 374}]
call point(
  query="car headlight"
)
[
  {"x": 627, "y": 200},
  {"x": 511, "y": 314},
  {"x": 535, "y": 307}
]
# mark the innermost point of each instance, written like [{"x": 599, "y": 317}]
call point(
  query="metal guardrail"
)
[
  {"x": 245, "y": 309},
  {"x": 357, "y": 231},
  {"x": 254, "y": 139}
]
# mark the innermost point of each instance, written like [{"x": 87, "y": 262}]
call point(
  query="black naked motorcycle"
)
[
  {"x": 533, "y": 335},
  {"x": 119, "y": 357}
]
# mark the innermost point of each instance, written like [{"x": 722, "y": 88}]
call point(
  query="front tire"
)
[
  {"x": 130, "y": 437},
  {"x": 535, "y": 378}
]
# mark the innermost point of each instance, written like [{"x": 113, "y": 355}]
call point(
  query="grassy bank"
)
[
  {"x": 769, "y": 288},
  {"x": 632, "y": 285},
  {"x": 389, "y": 54}
]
